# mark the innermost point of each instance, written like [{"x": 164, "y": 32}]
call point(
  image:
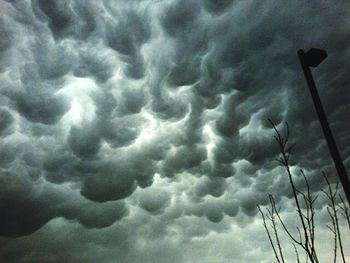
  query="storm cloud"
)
[{"x": 138, "y": 130}]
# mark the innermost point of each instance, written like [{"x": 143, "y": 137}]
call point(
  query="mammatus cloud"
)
[{"x": 137, "y": 130}]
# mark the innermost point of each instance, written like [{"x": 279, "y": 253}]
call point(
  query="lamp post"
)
[{"x": 313, "y": 58}]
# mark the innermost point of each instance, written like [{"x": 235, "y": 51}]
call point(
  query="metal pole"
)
[{"x": 344, "y": 179}]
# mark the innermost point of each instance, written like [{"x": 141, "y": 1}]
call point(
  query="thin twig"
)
[
  {"x": 334, "y": 231},
  {"x": 268, "y": 234},
  {"x": 331, "y": 196},
  {"x": 284, "y": 160},
  {"x": 273, "y": 221},
  {"x": 344, "y": 210}
]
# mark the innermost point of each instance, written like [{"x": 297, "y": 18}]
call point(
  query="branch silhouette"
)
[{"x": 305, "y": 238}]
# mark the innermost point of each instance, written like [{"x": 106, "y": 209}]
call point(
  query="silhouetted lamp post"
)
[{"x": 313, "y": 58}]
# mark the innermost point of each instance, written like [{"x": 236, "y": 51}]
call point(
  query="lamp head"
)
[{"x": 314, "y": 57}]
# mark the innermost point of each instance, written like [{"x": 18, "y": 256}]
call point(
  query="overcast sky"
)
[{"x": 136, "y": 130}]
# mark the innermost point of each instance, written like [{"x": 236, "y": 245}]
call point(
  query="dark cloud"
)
[
  {"x": 179, "y": 16},
  {"x": 84, "y": 141},
  {"x": 94, "y": 64},
  {"x": 184, "y": 158},
  {"x": 27, "y": 206},
  {"x": 36, "y": 102},
  {"x": 137, "y": 130},
  {"x": 59, "y": 15},
  {"x": 109, "y": 183},
  {"x": 216, "y": 6},
  {"x": 5, "y": 41},
  {"x": 52, "y": 61},
  {"x": 122, "y": 131},
  {"x": 127, "y": 37},
  {"x": 153, "y": 202},
  {"x": 6, "y": 119},
  {"x": 21, "y": 208}
]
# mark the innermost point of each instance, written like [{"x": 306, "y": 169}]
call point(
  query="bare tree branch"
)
[
  {"x": 344, "y": 210},
  {"x": 306, "y": 227},
  {"x": 334, "y": 215},
  {"x": 284, "y": 160},
  {"x": 268, "y": 234},
  {"x": 333, "y": 229},
  {"x": 296, "y": 253},
  {"x": 273, "y": 221}
]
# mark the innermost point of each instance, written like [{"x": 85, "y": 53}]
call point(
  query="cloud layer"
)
[{"x": 138, "y": 130}]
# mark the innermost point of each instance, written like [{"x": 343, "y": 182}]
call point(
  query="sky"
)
[{"x": 137, "y": 130}]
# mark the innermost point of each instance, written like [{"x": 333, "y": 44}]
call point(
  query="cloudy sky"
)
[{"x": 136, "y": 130}]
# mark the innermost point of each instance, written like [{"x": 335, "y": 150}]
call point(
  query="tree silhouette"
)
[{"x": 305, "y": 238}]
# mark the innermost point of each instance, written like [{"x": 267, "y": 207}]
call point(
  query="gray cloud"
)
[{"x": 138, "y": 129}]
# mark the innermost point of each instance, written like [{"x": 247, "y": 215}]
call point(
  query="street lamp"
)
[{"x": 313, "y": 58}]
